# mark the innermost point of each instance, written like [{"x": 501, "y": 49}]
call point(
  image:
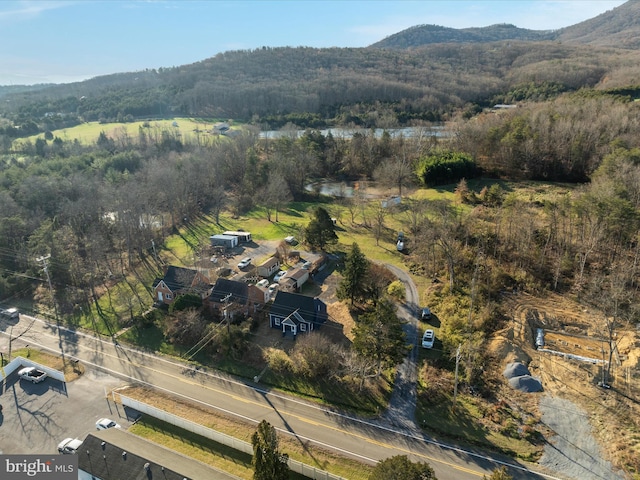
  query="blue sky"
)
[{"x": 65, "y": 40}]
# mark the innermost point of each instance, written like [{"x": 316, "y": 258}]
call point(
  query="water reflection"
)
[
  {"x": 348, "y": 133},
  {"x": 342, "y": 189}
]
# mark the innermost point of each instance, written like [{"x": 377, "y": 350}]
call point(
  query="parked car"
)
[
  {"x": 539, "y": 338},
  {"x": 428, "y": 339},
  {"x": 400, "y": 242},
  {"x": 278, "y": 276},
  {"x": 10, "y": 313},
  {"x": 425, "y": 314},
  {"x": 307, "y": 265},
  {"x": 291, "y": 240},
  {"x": 32, "y": 374},
  {"x": 69, "y": 445},
  {"x": 245, "y": 262},
  {"x": 263, "y": 283},
  {"x": 105, "y": 423},
  {"x": 273, "y": 288}
]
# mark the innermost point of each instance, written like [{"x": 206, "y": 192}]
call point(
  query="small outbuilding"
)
[
  {"x": 227, "y": 241},
  {"x": 243, "y": 237},
  {"x": 269, "y": 267}
]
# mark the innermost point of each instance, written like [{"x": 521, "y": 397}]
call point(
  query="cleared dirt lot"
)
[
  {"x": 610, "y": 415},
  {"x": 35, "y": 418}
]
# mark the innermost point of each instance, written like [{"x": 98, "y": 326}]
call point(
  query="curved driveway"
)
[{"x": 363, "y": 439}]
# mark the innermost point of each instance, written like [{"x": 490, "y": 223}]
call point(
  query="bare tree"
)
[
  {"x": 378, "y": 225},
  {"x": 609, "y": 293}
]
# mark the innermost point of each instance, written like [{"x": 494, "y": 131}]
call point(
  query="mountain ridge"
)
[{"x": 618, "y": 28}]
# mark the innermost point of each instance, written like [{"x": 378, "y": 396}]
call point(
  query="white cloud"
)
[{"x": 28, "y": 9}]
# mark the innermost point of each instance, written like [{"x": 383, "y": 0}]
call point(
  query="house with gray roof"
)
[
  {"x": 178, "y": 281},
  {"x": 236, "y": 296},
  {"x": 116, "y": 454},
  {"x": 295, "y": 313}
]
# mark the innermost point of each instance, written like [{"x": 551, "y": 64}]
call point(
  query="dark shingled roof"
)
[
  {"x": 177, "y": 278},
  {"x": 110, "y": 462},
  {"x": 239, "y": 291},
  {"x": 312, "y": 310}
]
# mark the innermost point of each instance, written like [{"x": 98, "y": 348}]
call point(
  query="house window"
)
[
  {"x": 303, "y": 327},
  {"x": 168, "y": 296},
  {"x": 277, "y": 321}
]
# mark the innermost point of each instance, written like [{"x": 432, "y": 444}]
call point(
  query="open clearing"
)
[{"x": 612, "y": 414}]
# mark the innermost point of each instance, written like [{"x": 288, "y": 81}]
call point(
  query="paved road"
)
[
  {"x": 402, "y": 406},
  {"x": 362, "y": 439}
]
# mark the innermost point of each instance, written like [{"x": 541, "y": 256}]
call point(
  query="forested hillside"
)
[
  {"x": 315, "y": 87},
  {"x": 619, "y": 28}
]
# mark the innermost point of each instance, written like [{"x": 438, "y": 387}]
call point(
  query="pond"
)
[
  {"x": 347, "y": 133},
  {"x": 346, "y": 189}
]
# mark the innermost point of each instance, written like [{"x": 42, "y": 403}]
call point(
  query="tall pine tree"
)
[
  {"x": 352, "y": 287},
  {"x": 320, "y": 231},
  {"x": 268, "y": 462},
  {"x": 378, "y": 336}
]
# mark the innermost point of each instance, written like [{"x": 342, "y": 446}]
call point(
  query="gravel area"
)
[{"x": 573, "y": 451}]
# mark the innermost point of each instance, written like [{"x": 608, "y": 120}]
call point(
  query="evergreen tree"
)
[
  {"x": 378, "y": 336},
  {"x": 321, "y": 231},
  {"x": 401, "y": 468},
  {"x": 268, "y": 462},
  {"x": 352, "y": 285},
  {"x": 188, "y": 300}
]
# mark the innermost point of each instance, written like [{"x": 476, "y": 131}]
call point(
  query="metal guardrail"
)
[{"x": 222, "y": 438}]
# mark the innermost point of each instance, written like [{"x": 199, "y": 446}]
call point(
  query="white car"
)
[
  {"x": 428, "y": 338},
  {"x": 245, "y": 262},
  {"x": 69, "y": 445},
  {"x": 32, "y": 374},
  {"x": 105, "y": 423},
  {"x": 279, "y": 276},
  {"x": 273, "y": 288},
  {"x": 263, "y": 283}
]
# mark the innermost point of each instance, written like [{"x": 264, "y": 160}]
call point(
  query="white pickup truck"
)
[{"x": 32, "y": 374}]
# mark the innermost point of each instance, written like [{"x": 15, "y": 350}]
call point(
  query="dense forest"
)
[
  {"x": 316, "y": 87},
  {"x": 85, "y": 205}
]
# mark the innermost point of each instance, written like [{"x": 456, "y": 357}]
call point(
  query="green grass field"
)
[{"x": 88, "y": 133}]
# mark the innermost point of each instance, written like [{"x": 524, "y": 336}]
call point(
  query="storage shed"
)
[
  {"x": 243, "y": 237},
  {"x": 227, "y": 241}
]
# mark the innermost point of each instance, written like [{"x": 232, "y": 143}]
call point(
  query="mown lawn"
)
[{"x": 190, "y": 129}]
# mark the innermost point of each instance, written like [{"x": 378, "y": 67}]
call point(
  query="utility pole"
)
[
  {"x": 45, "y": 267},
  {"x": 155, "y": 254},
  {"x": 226, "y": 314},
  {"x": 455, "y": 388}
]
